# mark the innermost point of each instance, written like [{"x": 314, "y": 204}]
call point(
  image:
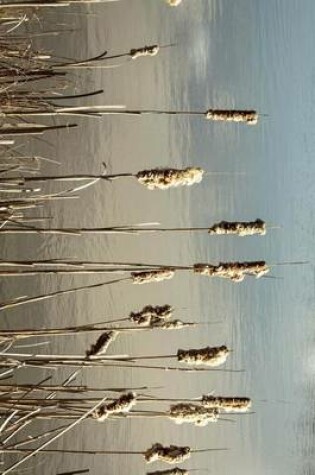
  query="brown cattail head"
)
[
  {"x": 209, "y": 356},
  {"x": 170, "y": 325},
  {"x": 173, "y": 3},
  {"x": 249, "y": 117},
  {"x": 193, "y": 414},
  {"x": 149, "y": 277},
  {"x": 102, "y": 344},
  {"x": 172, "y": 454},
  {"x": 151, "y": 314},
  {"x": 171, "y": 471},
  {"x": 235, "y": 271},
  {"x": 145, "y": 51},
  {"x": 239, "y": 228},
  {"x": 226, "y": 404},
  {"x": 121, "y": 405},
  {"x": 164, "y": 178}
]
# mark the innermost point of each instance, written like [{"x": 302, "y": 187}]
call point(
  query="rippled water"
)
[{"x": 227, "y": 54}]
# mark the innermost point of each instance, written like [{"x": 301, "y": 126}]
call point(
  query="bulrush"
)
[
  {"x": 173, "y": 3},
  {"x": 102, "y": 344},
  {"x": 249, "y": 117},
  {"x": 148, "y": 277},
  {"x": 152, "y": 50},
  {"x": 209, "y": 356},
  {"x": 171, "y": 454},
  {"x": 151, "y": 314},
  {"x": 172, "y": 471},
  {"x": 172, "y": 325},
  {"x": 239, "y": 228},
  {"x": 226, "y": 404},
  {"x": 164, "y": 178},
  {"x": 235, "y": 271},
  {"x": 119, "y": 406},
  {"x": 193, "y": 414}
]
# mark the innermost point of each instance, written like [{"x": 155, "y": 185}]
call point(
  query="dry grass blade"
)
[
  {"x": 40, "y": 298},
  {"x": 53, "y": 439}
]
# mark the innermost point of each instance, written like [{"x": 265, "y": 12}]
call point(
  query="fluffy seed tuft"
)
[{"x": 165, "y": 178}]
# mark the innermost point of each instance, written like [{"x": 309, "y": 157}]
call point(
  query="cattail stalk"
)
[
  {"x": 46, "y": 444},
  {"x": 238, "y": 228},
  {"x": 157, "y": 178},
  {"x": 209, "y": 356},
  {"x": 171, "y": 455}
]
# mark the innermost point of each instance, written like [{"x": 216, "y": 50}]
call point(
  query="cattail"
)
[
  {"x": 119, "y": 406},
  {"x": 172, "y": 471},
  {"x": 235, "y": 271},
  {"x": 249, "y": 117},
  {"x": 149, "y": 277},
  {"x": 171, "y": 454},
  {"x": 151, "y": 314},
  {"x": 164, "y": 178},
  {"x": 193, "y": 414},
  {"x": 102, "y": 344},
  {"x": 173, "y": 3},
  {"x": 226, "y": 404},
  {"x": 156, "y": 178},
  {"x": 239, "y": 228},
  {"x": 210, "y": 356},
  {"x": 171, "y": 325},
  {"x": 145, "y": 51}
]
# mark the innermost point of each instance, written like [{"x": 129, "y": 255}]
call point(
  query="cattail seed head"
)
[
  {"x": 249, "y": 117},
  {"x": 239, "y": 228},
  {"x": 145, "y": 51},
  {"x": 193, "y": 414},
  {"x": 164, "y": 178},
  {"x": 172, "y": 454},
  {"x": 235, "y": 271},
  {"x": 149, "y": 277},
  {"x": 102, "y": 344},
  {"x": 172, "y": 471},
  {"x": 121, "y": 405},
  {"x": 151, "y": 314},
  {"x": 209, "y": 356},
  {"x": 170, "y": 325},
  {"x": 173, "y": 3},
  {"x": 226, "y": 404}
]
